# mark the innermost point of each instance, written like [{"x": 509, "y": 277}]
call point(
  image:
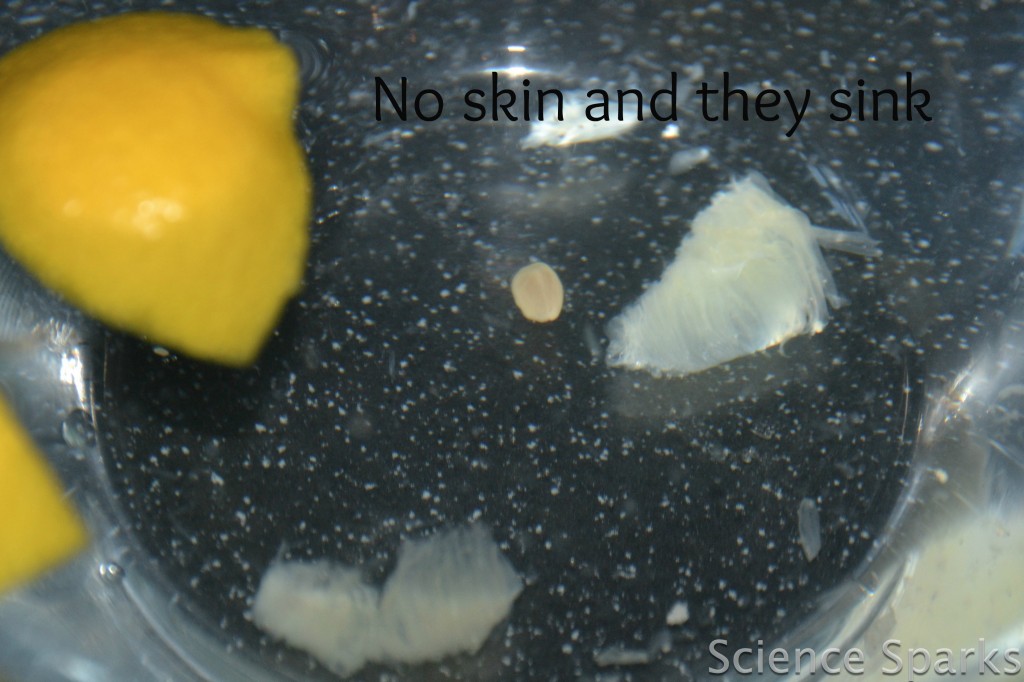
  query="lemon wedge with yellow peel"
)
[
  {"x": 38, "y": 527},
  {"x": 151, "y": 175}
]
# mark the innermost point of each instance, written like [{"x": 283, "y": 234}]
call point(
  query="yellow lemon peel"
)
[
  {"x": 38, "y": 527},
  {"x": 153, "y": 178}
]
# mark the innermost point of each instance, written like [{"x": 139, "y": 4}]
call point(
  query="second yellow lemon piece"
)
[
  {"x": 151, "y": 175},
  {"x": 38, "y": 527}
]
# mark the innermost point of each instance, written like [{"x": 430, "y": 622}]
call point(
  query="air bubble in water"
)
[
  {"x": 313, "y": 55},
  {"x": 78, "y": 431},
  {"x": 111, "y": 571}
]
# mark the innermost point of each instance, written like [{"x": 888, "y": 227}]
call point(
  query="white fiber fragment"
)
[
  {"x": 620, "y": 655},
  {"x": 747, "y": 277},
  {"x": 686, "y": 160},
  {"x": 446, "y": 594},
  {"x": 575, "y": 127},
  {"x": 809, "y": 527},
  {"x": 678, "y": 614}
]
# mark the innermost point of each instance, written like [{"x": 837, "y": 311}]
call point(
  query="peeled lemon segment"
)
[
  {"x": 153, "y": 178},
  {"x": 38, "y": 527}
]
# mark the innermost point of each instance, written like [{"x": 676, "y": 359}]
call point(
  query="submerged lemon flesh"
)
[
  {"x": 151, "y": 175},
  {"x": 38, "y": 527}
]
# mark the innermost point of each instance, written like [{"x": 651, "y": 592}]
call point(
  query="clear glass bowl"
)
[{"x": 403, "y": 393}]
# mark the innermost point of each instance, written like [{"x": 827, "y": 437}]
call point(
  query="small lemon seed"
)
[{"x": 538, "y": 292}]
